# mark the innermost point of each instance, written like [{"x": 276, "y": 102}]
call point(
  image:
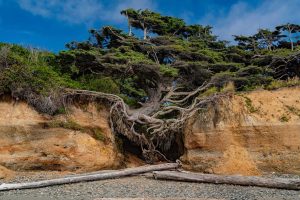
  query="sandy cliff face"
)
[
  {"x": 249, "y": 134},
  {"x": 81, "y": 140}
]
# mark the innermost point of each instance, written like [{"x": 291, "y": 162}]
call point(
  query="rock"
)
[
  {"x": 5, "y": 173},
  {"x": 27, "y": 144},
  {"x": 247, "y": 134}
]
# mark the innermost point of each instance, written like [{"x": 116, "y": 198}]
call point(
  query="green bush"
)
[
  {"x": 209, "y": 92},
  {"x": 99, "y": 134},
  {"x": 284, "y": 118},
  {"x": 68, "y": 124},
  {"x": 168, "y": 71},
  {"x": 249, "y": 105},
  {"x": 105, "y": 84},
  {"x": 275, "y": 84}
]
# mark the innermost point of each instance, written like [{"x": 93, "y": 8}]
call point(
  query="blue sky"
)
[{"x": 50, "y": 24}]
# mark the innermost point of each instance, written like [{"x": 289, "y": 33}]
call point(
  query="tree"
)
[
  {"x": 171, "y": 25},
  {"x": 130, "y": 14},
  {"x": 291, "y": 30},
  {"x": 145, "y": 20},
  {"x": 198, "y": 31},
  {"x": 4, "y": 52},
  {"x": 150, "y": 21},
  {"x": 266, "y": 38},
  {"x": 246, "y": 42}
]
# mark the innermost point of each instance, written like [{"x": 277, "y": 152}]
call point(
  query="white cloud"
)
[
  {"x": 114, "y": 13},
  {"x": 71, "y": 11},
  {"x": 82, "y": 11},
  {"x": 243, "y": 18}
]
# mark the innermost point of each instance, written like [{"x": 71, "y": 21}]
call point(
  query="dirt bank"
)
[
  {"x": 79, "y": 140},
  {"x": 249, "y": 134}
]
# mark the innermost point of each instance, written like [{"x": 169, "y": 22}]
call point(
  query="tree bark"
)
[
  {"x": 129, "y": 26},
  {"x": 291, "y": 41},
  {"x": 280, "y": 183},
  {"x": 145, "y": 33},
  {"x": 91, "y": 177},
  {"x": 290, "y": 30}
]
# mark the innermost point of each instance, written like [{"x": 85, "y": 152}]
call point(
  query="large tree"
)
[
  {"x": 130, "y": 14},
  {"x": 146, "y": 20},
  {"x": 152, "y": 22},
  {"x": 267, "y": 38},
  {"x": 290, "y": 32},
  {"x": 246, "y": 42}
]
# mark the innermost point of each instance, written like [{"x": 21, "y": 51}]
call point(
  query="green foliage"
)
[
  {"x": 112, "y": 61},
  {"x": 249, "y": 105},
  {"x": 284, "y": 118},
  {"x": 167, "y": 70},
  {"x": 72, "y": 125},
  {"x": 223, "y": 66},
  {"x": 133, "y": 56},
  {"x": 275, "y": 84},
  {"x": 293, "y": 110},
  {"x": 105, "y": 84},
  {"x": 209, "y": 92},
  {"x": 60, "y": 111},
  {"x": 222, "y": 78},
  {"x": 129, "y": 87},
  {"x": 131, "y": 101},
  {"x": 214, "y": 55},
  {"x": 68, "y": 124},
  {"x": 97, "y": 132}
]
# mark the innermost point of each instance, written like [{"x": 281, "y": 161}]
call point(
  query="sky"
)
[{"x": 50, "y": 24}]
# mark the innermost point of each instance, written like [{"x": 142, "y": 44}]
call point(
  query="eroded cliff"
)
[
  {"x": 80, "y": 140},
  {"x": 248, "y": 133}
]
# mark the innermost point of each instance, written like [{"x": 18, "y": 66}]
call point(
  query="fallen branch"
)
[
  {"x": 90, "y": 177},
  {"x": 281, "y": 183}
]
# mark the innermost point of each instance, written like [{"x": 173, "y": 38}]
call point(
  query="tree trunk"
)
[
  {"x": 292, "y": 44},
  {"x": 91, "y": 177},
  {"x": 290, "y": 184},
  {"x": 129, "y": 27},
  {"x": 145, "y": 33},
  {"x": 290, "y": 36}
]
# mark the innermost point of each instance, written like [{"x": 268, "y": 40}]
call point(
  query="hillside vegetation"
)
[{"x": 165, "y": 77}]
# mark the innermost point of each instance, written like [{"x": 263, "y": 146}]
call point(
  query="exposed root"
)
[{"x": 153, "y": 132}]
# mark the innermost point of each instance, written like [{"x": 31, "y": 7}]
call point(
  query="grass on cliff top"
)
[{"x": 276, "y": 84}]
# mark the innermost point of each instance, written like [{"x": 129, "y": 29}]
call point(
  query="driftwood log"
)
[
  {"x": 281, "y": 183},
  {"x": 89, "y": 177}
]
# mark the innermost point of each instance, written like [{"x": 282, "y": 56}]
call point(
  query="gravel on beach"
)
[{"x": 145, "y": 188}]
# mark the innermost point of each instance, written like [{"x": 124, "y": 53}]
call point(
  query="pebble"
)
[{"x": 142, "y": 187}]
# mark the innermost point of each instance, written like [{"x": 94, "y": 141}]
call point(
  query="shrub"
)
[
  {"x": 275, "y": 84},
  {"x": 209, "y": 92},
  {"x": 294, "y": 110},
  {"x": 222, "y": 78},
  {"x": 249, "y": 105},
  {"x": 284, "y": 118},
  {"x": 221, "y": 67},
  {"x": 106, "y": 85},
  {"x": 213, "y": 55},
  {"x": 168, "y": 71},
  {"x": 68, "y": 124},
  {"x": 98, "y": 134}
]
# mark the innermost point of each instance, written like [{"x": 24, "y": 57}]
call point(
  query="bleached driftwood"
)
[
  {"x": 91, "y": 177},
  {"x": 281, "y": 183}
]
